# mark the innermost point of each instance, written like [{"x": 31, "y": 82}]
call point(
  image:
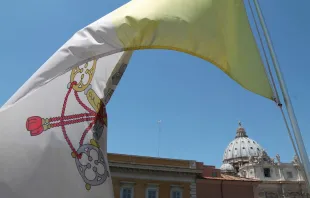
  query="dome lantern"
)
[{"x": 240, "y": 131}]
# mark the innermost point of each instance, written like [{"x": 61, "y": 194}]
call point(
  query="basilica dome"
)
[{"x": 241, "y": 148}]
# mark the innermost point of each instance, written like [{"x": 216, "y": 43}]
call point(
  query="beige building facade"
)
[{"x": 148, "y": 177}]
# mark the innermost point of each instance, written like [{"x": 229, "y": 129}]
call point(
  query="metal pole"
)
[{"x": 299, "y": 141}]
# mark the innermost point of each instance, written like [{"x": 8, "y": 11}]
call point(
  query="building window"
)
[
  {"x": 289, "y": 175},
  {"x": 214, "y": 174},
  {"x": 152, "y": 192},
  {"x": 267, "y": 172},
  {"x": 127, "y": 192},
  {"x": 176, "y": 192}
]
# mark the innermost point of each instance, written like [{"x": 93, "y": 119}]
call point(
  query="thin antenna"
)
[{"x": 159, "y": 131}]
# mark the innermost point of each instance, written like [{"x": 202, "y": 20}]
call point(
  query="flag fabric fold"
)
[
  {"x": 53, "y": 129},
  {"x": 215, "y": 30}
]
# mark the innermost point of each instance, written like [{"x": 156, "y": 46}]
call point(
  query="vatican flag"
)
[
  {"x": 54, "y": 138},
  {"x": 53, "y": 129}
]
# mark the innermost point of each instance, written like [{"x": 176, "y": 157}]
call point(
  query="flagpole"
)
[{"x": 299, "y": 141}]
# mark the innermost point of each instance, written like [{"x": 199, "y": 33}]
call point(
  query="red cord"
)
[
  {"x": 62, "y": 123},
  {"x": 77, "y": 118},
  {"x": 72, "y": 122},
  {"x": 70, "y": 117},
  {"x": 82, "y": 104},
  {"x": 85, "y": 132},
  {"x": 99, "y": 115}
]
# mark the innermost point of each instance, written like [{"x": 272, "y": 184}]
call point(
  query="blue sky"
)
[{"x": 199, "y": 107}]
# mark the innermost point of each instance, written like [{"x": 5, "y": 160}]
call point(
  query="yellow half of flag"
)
[{"x": 215, "y": 30}]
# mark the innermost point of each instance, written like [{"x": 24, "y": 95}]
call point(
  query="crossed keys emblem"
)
[{"x": 88, "y": 156}]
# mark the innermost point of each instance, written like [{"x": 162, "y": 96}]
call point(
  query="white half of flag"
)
[{"x": 53, "y": 139}]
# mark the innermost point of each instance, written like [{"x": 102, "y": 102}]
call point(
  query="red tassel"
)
[{"x": 34, "y": 125}]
